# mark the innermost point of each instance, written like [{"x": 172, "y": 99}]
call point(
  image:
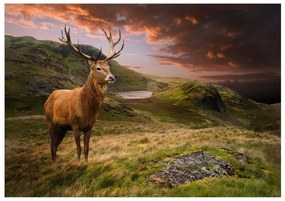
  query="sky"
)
[{"x": 235, "y": 45}]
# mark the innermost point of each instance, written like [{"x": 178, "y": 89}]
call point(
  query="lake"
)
[{"x": 135, "y": 94}]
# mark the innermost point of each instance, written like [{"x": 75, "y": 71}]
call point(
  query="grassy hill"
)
[
  {"x": 33, "y": 69},
  {"x": 133, "y": 139},
  {"x": 205, "y": 105}
]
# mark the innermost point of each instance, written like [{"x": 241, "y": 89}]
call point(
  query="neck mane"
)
[{"x": 92, "y": 95}]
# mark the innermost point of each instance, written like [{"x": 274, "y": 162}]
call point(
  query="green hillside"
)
[
  {"x": 33, "y": 69},
  {"x": 137, "y": 147},
  {"x": 203, "y": 105}
]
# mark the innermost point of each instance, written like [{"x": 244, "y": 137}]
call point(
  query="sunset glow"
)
[{"x": 203, "y": 42}]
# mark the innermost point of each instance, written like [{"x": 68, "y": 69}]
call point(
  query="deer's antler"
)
[
  {"x": 68, "y": 41},
  {"x": 113, "y": 54}
]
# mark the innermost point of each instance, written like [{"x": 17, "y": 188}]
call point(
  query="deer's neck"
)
[{"x": 92, "y": 95}]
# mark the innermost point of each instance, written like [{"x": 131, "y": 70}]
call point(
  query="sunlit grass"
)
[{"x": 120, "y": 162}]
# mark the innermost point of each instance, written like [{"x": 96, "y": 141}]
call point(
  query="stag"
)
[{"x": 78, "y": 109}]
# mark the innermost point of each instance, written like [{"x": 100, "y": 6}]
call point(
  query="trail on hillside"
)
[{"x": 26, "y": 117}]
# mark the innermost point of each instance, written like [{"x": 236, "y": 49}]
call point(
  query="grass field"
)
[
  {"x": 124, "y": 153},
  {"x": 131, "y": 137}
]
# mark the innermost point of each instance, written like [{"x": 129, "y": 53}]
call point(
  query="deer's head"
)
[{"x": 99, "y": 68}]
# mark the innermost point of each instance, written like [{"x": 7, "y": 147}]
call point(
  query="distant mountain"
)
[
  {"x": 219, "y": 105},
  {"x": 33, "y": 69}
]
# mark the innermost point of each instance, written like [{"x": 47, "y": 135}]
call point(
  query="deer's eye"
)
[{"x": 98, "y": 69}]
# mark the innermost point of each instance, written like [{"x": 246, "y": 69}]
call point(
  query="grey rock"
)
[
  {"x": 241, "y": 157},
  {"x": 192, "y": 167}
]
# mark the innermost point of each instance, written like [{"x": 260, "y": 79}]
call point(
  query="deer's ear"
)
[{"x": 90, "y": 62}]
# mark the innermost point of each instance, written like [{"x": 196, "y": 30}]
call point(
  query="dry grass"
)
[{"x": 114, "y": 152}]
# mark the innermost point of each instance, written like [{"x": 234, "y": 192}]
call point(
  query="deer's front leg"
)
[
  {"x": 86, "y": 144},
  {"x": 76, "y": 134}
]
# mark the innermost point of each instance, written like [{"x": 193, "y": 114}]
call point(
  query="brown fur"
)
[{"x": 77, "y": 109}]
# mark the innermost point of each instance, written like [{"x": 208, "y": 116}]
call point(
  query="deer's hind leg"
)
[
  {"x": 57, "y": 134},
  {"x": 61, "y": 131},
  {"x": 52, "y": 133}
]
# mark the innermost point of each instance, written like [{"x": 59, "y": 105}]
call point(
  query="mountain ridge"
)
[{"x": 33, "y": 69}]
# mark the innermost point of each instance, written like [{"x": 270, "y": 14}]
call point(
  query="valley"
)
[{"x": 133, "y": 137}]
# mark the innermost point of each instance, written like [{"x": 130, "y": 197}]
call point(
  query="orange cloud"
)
[
  {"x": 232, "y": 64},
  {"x": 172, "y": 33},
  {"x": 27, "y": 22},
  {"x": 225, "y": 47},
  {"x": 178, "y": 21},
  {"x": 192, "y": 19},
  {"x": 22, "y": 22},
  {"x": 176, "y": 61},
  {"x": 39, "y": 11},
  {"x": 210, "y": 55},
  {"x": 221, "y": 55},
  {"x": 48, "y": 26},
  {"x": 77, "y": 9},
  {"x": 152, "y": 33},
  {"x": 185, "y": 62},
  {"x": 231, "y": 34},
  {"x": 23, "y": 15}
]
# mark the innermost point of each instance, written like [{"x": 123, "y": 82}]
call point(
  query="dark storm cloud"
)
[
  {"x": 265, "y": 91},
  {"x": 243, "y": 41},
  {"x": 261, "y": 87},
  {"x": 244, "y": 77},
  {"x": 233, "y": 38},
  {"x": 239, "y": 38}
]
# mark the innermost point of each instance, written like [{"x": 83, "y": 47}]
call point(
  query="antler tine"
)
[
  {"x": 106, "y": 34},
  {"x": 62, "y": 39},
  {"x": 119, "y": 38},
  {"x": 68, "y": 41},
  {"x": 116, "y": 54},
  {"x": 109, "y": 37},
  {"x": 110, "y": 33},
  {"x": 68, "y": 34},
  {"x": 113, "y": 54}
]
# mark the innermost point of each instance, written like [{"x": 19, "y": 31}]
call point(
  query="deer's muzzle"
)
[{"x": 110, "y": 79}]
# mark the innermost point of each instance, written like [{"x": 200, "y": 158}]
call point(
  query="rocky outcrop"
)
[
  {"x": 212, "y": 100},
  {"x": 190, "y": 167},
  {"x": 204, "y": 96}
]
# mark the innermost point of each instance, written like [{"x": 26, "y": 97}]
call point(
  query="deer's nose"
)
[{"x": 111, "y": 78}]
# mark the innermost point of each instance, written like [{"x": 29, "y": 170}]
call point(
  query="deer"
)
[{"x": 77, "y": 110}]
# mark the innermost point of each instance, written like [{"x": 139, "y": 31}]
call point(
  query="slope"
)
[
  {"x": 33, "y": 69},
  {"x": 204, "y": 105}
]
